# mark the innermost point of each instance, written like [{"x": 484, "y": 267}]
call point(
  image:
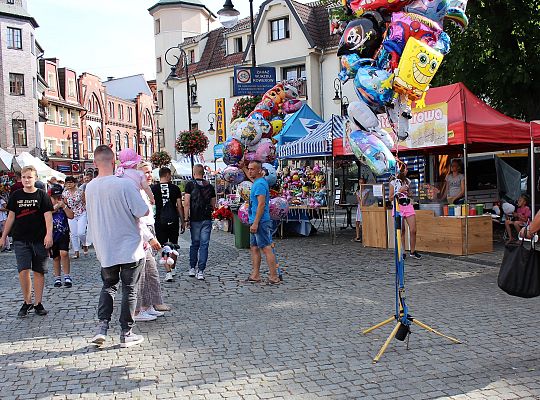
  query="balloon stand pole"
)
[{"x": 403, "y": 319}]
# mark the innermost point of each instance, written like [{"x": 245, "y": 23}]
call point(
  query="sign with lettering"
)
[
  {"x": 218, "y": 151},
  {"x": 75, "y": 144},
  {"x": 253, "y": 80},
  {"x": 221, "y": 132}
]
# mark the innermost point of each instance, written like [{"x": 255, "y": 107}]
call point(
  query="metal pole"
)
[
  {"x": 253, "y": 60},
  {"x": 465, "y": 162},
  {"x": 188, "y": 92}
]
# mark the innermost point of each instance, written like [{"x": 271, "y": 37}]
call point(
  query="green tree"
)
[{"x": 498, "y": 56}]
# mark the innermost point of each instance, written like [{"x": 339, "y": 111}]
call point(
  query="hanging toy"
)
[{"x": 166, "y": 253}]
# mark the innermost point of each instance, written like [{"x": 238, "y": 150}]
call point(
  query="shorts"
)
[
  {"x": 406, "y": 211},
  {"x": 166, "y": 233},
  {"x": 30, "y": 255},
  {"x": 263, "y": 237},
  {"x": 61, "y": 244}
]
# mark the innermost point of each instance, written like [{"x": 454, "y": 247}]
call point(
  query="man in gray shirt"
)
[{"x": 114, "y": 206}]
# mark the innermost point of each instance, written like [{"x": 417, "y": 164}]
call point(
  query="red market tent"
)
[{"x": 472, "y": 122}]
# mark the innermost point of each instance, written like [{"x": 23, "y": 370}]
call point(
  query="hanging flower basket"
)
[
  {"x": 160, "y": 159},
  {"x": 244, "y": 106},
  {"x": 191, "y": 142}
]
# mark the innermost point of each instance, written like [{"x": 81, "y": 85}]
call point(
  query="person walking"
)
[
  {"x": 260, "y": 229},
  {"x": 400, "y": 186},
  {"x": 169, "y": 214},
  {"x": 114, "y": 207},
  {"x": 30, "y": 220},
  {"x": 150, "y": 298},
  {"x": 74, "y": 197},
  {"x": 59, "y": 251},
  {"x": 199, "y": 202}
]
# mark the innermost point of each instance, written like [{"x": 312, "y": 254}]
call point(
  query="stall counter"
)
[{"x": 444, "y": 235}]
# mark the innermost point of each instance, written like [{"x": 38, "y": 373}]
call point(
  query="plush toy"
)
[{"x": 166, "y": 253}]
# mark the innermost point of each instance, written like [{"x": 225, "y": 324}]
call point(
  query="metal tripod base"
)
[{"x": 395, "y": 330}]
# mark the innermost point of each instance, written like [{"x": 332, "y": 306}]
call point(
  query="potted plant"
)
[
  {"x": 191, "y": 142},
  {"x": 160, "y": 159}
]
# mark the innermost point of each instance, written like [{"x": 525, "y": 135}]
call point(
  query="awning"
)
[
  {"x": 317, "y": 143},
  {"x": 43, "y": 170},
  {"x": 298, "y": 125},
  {"x": 6, "y": 159}
]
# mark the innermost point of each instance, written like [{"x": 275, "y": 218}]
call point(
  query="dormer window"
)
[
  {"x": 238, "y": 45},
  {"x": 192, "y": 56},
  {"x": 279, "y": 29}
]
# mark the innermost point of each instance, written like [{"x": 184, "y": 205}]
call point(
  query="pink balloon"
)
[{"x": 243, "y": 213}]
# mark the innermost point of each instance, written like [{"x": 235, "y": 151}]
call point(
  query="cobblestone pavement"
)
[{"x": 300, "y": 340}]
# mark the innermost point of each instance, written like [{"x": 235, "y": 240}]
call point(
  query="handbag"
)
[{"x": 520, "y": 271}]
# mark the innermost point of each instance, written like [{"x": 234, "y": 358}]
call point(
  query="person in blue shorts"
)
[{"x": 260, "y": 225}]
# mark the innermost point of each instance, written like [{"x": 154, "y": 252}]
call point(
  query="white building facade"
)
[
  {"x": 292, "y": 37},
  {"x": 19, "y": 121}
]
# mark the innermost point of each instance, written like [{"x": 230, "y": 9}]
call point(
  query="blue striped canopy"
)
[{"x": 317, "y": 143}]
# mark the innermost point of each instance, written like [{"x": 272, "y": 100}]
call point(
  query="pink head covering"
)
[{"x": 128, "y": 160}]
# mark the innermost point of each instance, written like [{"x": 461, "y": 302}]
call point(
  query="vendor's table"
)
[
  {"x": 446, "y": 235},
  {"x": 302, "y": 215}
]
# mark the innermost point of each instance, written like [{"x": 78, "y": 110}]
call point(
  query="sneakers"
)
[
  {"x": 57, "y": 281},
  {"x": 144, "y": 316},
  {"x": 67, "y": 281},
  {"x": 169, "y": 277},
  {"x": 40, "y": 310},
  {"x": 152, "y": 311},
  {"x": 192, "y": 272},
  {"x": 173, "y": 271},
  {"x": 200, "y": 275},
  {"x": 101, "y": 333},
  {"x": 416, "y": 255},
  {"x": 25, "y": 309},
  {"x": 129, "y": 339}
]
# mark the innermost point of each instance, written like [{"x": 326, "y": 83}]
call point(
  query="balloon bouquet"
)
[
  {"x": 253, "y": 138},
  {"x": 391, "y": 52}
]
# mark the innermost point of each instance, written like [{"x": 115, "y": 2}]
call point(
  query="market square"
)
[{"x": 269, "y": 199}]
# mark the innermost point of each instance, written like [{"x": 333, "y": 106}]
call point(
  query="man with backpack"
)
[
  {"x": 169, "y": 214},
  {"x": 199, "y": 202}
]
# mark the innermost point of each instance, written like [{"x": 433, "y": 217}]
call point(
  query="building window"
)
[
  {"x": 51, "y": 146},
  {"x": 34, "y": 88},
  {"x": 16, "y": 84},
  {"x": 157, "y": 26},
  {"x": 159, "y": 67},
  {"x": 51, "y": 81},
  {"x": 89, "y": 140},
  {"x": 71, "y": 88},
  {"x": 97, "y": 138},
  {"x": 279, "y": 29},
  {"x": 238, "y": 45},
  {"x": 62, "y": 117},
  {"x": 14, "y": 38},
  {"x": 120, "y": 112},
  {"x": 32, "y": 44},
  {"x": 11, "y": 1},
  {"x": 74, "y": 118},
  {"x": 297, "y": 77},
  {"x": 64, "y": 147},
  {"x": 130, "y": 114},
  {"x": 126, "y": 141},
  {"x": 191, "y": 56},
  {"x": 135, "y": 144},
  {"x": 118, "y": 145},
  {"x": 111, "y": 110},
  {"x": 19, "y": 132},
  {"x": 51, "y": 114},
  {"x": 160, "y": 99},
  {"x": 108, "y": 137}
]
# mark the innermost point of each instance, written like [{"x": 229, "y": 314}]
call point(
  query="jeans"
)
[
  {"x": 77, "y": 229},
  {"x": 129, "y": 274},
  {"x": 200, "y": 239}
]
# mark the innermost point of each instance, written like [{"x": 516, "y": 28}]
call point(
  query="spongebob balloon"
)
[{"x": 419, "y": 63}]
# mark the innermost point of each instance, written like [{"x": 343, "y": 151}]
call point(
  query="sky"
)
[{"x": 104, "y": 37}]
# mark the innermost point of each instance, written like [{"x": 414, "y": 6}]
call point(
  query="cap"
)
[{"x": 56, "y": 190}]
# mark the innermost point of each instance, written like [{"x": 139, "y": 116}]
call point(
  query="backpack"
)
[{"x": 200, "y": 198}]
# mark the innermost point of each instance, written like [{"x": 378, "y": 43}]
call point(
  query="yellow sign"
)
[
  {"x": 220, "y": 121},
  {"x": 427, "y": 128}
]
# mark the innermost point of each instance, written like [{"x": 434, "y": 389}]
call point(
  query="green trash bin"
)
[{"x": 241, "y": 233}]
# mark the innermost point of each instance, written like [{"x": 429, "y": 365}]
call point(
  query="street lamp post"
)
[
  {"x": 158, "y": 114},
  {"x": 211, "y": 118},
  {"x": 16, "y": 116},
  {"x": 339, "y": 98},
  {"x": 228, "y": 16},
  {"x": 174, "y": 80}
]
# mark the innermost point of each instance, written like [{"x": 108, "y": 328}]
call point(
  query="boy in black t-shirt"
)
[
  {"x": 30, "y": 222},
  {"x": 59, "y": 250}
]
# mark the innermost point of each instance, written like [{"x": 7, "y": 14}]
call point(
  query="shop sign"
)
[
  {"x": 220, "y": 121},
  {"x": 63, "y": 168},
  {"x": 75, "y": 168},
  {"x": 253, "y": 80},
  {"x": 427, "y": 128},
  {"x": 218, "y": 151},
  {"x": 75, "y": 145}
]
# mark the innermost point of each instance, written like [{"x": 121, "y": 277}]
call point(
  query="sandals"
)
[
  {"x": 251, "y": 280},
  {"x": 271, "y": 282}
]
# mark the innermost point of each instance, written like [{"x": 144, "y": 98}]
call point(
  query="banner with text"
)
[
  {"x": 253, "y": 80},
  {"x": 75, "y": 143},
  {"x": 221, "y": 126}
]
